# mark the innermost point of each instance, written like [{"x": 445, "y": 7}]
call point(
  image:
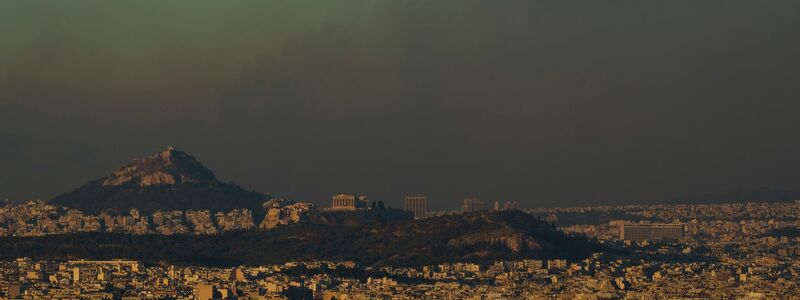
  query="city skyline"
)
[
  {"x": 762, "y": 194},
  {"x": 448, "y": 149},
  {"x": 736, "y": 250}
]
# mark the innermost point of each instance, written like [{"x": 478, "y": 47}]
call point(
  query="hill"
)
[
  {"x": 168, "y": 180},
  {"x": 479, "y": 237}
]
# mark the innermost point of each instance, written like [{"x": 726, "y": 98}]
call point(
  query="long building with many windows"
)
[{"x": 645, "y": 232}]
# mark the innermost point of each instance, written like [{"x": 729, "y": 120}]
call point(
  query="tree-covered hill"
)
[{"x": 479, "y": 237}]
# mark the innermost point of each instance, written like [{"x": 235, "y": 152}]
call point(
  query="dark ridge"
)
[{"x": 480, "y": 238}]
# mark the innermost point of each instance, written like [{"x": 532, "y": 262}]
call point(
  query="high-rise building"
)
[
  {"x": 237, "y": 275},
  {"x": 472, "y": 205},
  {"x": 85, "y": 274},
  {"x": 205, "y": 292},
  {"x": 644, "y": 232},
  {"x": 418, "y": 205},
  {"x": 14, "y": 291}
]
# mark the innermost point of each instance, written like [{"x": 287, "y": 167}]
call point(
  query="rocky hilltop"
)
[
  {"x": 167, "y": 180},
  {"x": 167, "y": 167}
]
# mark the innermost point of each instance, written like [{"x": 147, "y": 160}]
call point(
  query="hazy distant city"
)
[
  {"x": 720, "y": 251},
  {"x": 125, "y": 247},
  {"x": 399, "y": 149}
]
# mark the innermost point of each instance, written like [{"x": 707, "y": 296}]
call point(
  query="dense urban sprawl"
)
[{"x": 740, "y": 250}]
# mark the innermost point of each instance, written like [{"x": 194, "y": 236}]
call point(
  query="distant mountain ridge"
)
[
  {"x": 763, "y": 194},
  {"x": 167, "y": 180}
]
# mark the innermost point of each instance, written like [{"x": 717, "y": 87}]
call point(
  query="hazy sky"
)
[{"x": 542, "y": 102}]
